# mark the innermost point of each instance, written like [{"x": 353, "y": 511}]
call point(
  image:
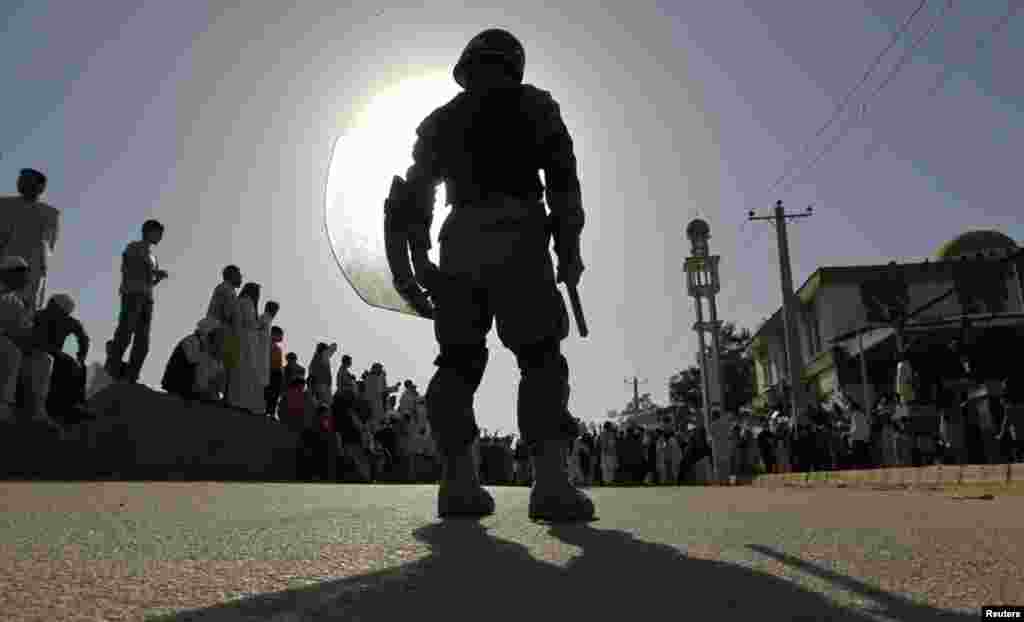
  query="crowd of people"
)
[
  {"x": 838, "y": 438},
  {"x": 38, "y": 380},
  {"x": 235, "y": 358}
]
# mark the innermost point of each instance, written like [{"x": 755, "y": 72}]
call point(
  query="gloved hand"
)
[
  {"x": 425, "y": 271},
  {"x": 570, "y": 263}
]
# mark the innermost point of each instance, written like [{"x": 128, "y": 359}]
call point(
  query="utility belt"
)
[
  {"x": 494, "y": 199},
  {"x": 466, "y": 194}
]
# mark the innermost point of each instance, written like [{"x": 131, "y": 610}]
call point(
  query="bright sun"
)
[{"x": 378, "y": 146}]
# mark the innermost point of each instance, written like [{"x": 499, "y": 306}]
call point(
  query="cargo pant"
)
[{"x": 496, "y": 267}]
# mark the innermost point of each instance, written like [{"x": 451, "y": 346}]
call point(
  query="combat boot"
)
[
  {"x": 553, "y": 497},
  {"x": 460, "y": 492}
]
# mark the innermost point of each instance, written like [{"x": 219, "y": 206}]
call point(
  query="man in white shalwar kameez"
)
[
  {"x": 246, "y": 392},
  {"x": 29, "y": 229},
  {"x": 223, "y": 307}
]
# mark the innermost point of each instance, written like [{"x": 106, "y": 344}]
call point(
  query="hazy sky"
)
[{"x": 220, "y": 121}]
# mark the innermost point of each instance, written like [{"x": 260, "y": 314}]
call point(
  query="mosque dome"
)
[{"x": 988, "y": 243}]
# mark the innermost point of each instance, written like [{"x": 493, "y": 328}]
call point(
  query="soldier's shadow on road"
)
[{"x": 471, "y": 575}]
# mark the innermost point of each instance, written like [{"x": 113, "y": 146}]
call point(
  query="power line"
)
[
  {"x": 942, "y": 78},
  {"x": 849, "y": 95},
  {"x": 863, "y": 108},
  {"x": 979, "y": 44}
]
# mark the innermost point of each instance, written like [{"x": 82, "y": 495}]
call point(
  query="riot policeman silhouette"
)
[{"x": 487, "y": 145}]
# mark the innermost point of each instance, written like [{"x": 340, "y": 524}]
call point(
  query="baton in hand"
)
[{"x": 577, "y": 310}]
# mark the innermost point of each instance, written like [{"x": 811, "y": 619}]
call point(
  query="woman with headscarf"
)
[
  {"x": 247, "y": 393},
  {"x": 320, "y": 376},
  {"x": 377, "y": 391},
  {"x": 182, "y": 376}
]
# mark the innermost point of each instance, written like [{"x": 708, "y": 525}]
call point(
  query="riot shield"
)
[{"x": 363, "y": 162}]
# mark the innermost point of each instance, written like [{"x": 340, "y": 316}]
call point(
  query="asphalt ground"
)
[{"x": 282, "y": 552}]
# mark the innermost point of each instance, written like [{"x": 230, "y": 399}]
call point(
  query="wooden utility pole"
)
[{"x": 794, "y": 358}]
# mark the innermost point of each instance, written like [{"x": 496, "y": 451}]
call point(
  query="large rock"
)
[{"x": 144, "y": 434}]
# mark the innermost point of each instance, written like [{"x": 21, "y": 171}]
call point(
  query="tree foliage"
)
[{"x": 684, "y": 387}]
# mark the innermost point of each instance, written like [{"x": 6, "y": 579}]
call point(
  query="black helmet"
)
[{"x": 494, "y": 42}]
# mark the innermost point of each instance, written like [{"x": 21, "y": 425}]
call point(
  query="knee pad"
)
[{"x": 469, "y": 362}]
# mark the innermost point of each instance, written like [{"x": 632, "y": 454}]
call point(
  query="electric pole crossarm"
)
[{"x": 792, "y": 336}]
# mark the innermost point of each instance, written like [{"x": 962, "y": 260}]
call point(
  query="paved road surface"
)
[{"x": 282, "y": 552}]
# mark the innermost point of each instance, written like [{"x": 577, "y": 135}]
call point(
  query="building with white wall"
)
[{"x": 831, "y": 311}]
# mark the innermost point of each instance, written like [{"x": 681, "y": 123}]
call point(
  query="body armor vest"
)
[{"x": 490, "y": 145}]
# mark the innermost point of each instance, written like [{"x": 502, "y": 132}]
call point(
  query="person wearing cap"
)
[
  {"x": 28, "y": 229},
  {"x": 53, "y": 325},
  {"x": 140, "y": 273},
  {"x": 19, "y": 358},
  {"x": 192, "y": 371}
]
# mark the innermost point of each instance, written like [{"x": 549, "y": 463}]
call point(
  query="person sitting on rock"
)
[
  {"x": 191, "y": 371},
  {"x": 320, "y": 375},
  {"x": 19, "y": 358},
  {"x": 53, "y": 324}
]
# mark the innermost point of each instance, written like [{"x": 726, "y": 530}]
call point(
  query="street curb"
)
[{"x": 898, "y": 477}]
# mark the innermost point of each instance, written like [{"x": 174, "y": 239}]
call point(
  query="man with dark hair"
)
[
  {"x": 488, "y": 145},
  {"x": 140, "y": 273},
  {"x": 29, "y": 229},
  {"x": 223, "y": 307},
  {"x": 53, "y": 325}
]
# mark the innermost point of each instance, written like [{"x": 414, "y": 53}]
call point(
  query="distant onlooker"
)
[
  {"x": 296, "y": 409},
  {"x": 276, "y": 378},
  {"x": 188, "y": 370},
  {"x": 223, "y": 307},
  {"x": 53, "y": 325},
  {"x": 292, "y": 370},
  {"x": 320, "y": 377},
  {"x": 25, "y": 366},
  {"x": 245, "y": 390},
  {"x": 139, "y": 275},
  {"x": 29, "y": 229},
  {"x": 15, "y": 332},
  {"x": 377, "y": 391},
  {"x": 263, "y": 345}
]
